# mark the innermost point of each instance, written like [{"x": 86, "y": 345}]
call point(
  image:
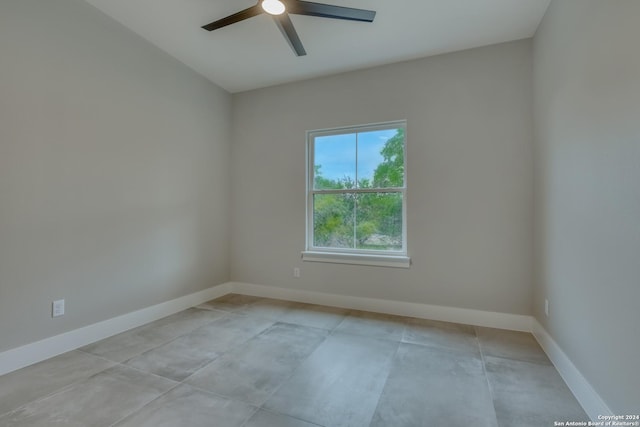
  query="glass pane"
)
[
  {"x": 379, "y": 221},
  {"x": 381, "y": 158},
  {"x": 335, "y": 161},
  {"x": 333, "y": 220}
]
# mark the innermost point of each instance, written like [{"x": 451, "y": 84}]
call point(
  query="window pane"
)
[
  {"x": 379, "y": 221},
  {"x": 334, "y": 159},
  {"x": 333, "y": 220},
  {"x": 381, "y": 158}
]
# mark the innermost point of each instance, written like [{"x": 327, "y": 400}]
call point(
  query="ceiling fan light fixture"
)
[
  {"x": 280, "y": 10},
  {"x": 273, "y": 7}
]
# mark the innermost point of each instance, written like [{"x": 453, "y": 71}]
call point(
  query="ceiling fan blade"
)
[
  {"x": 236, "y": 17},
  {"x": 330, "y": 11},
  {"x": 289, "y": 32}
]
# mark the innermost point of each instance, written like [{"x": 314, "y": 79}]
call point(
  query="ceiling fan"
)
[{"x": 280, "y": 10}]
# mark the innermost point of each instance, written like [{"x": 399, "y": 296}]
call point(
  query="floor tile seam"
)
[
  {"x": 258, "y": 316},
  {"x": 106, "y": 359},
  {"x": 303, "y": 326},
  {"x": 386, "y": 380},
  {"x": 255, "y": 411},
  {"x": 50, "y": 395},
  {"x": 142, "y": 371},
  {"x": 135, "y": 411},
  {"x": 288, "y": 377},
  {"x": 289, "y": 416},
  {"x": 542, "y": 363},
  {"x": 441, "y": 347},
  {"x": 185, "y": 381},
  {"x": 201, "y": 307},
  {"x": 254, "y": 408},
  {"x": 149, "y": 324},
  {"x": 514, "y": 359},
  {"x": 334, "y": 333},
  {"x": 126, "y": 362},
  {"x": 64, "y": 387},
  {"x": 280, "y": 320},
  {"x": 225, "y": 315},
  {"x": 204, "y": 366},
  {"x": 167, "y": 341},
  {"x": 197, "y": 307},
  {"x": 486, "y": 378},
  {"x": 201, "y": 366},
  {"x": 174, "y": 339},
  {"x": 404, "y": 332},
  {"x": 248, "y": 308},
  {"x": 244, "y": 311},
  {"x": 403, "y": 320},
  {"x": 221, "y": 396},
  {"x": 407, "y": 319},
  {"x": 445, "y": 324}
]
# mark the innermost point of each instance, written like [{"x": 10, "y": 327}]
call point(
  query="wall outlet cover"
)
[
  {"x": 546, "y": 307},
  {"x": 57, "y": 308}
]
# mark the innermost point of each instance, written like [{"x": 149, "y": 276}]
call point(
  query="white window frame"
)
[{"x": 348, "y": 255}]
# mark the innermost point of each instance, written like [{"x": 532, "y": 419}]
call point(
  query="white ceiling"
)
[{"x": 253, "y": 53}]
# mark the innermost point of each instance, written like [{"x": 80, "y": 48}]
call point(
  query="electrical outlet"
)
[
  {"x": 546, "y": 307},
  {"x": 57, "y": 308},
  {"x": 296, "y": 272}
]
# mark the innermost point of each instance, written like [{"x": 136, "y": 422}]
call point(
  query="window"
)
[{"x": 356, "y": 195}]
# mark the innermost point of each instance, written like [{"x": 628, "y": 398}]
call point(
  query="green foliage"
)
[
  {"x": 376, "y": 218},
  {"x": 322, "y": 183},
  {"x": 333, "y": 220},
  {"x": 390, "y": 173},
  {"x": 364, "y": 230}
]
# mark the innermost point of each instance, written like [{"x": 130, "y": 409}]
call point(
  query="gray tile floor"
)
[{"x": 257, "y": 362}]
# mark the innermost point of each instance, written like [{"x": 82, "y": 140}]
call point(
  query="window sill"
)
[{"x": 396, "y": 261}]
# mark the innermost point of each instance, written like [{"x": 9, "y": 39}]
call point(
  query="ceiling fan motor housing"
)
[{"x": 280, "y": 10}]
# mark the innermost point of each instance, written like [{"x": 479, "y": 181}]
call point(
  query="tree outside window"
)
[{"x": 357, "y": 189}]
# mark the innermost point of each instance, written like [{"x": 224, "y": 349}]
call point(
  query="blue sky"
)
[{"x": 337, "y": 153}]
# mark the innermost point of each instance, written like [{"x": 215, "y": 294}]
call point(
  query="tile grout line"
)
[
  {"x": 64, "y": 387},
  {"x": 48, "y": 396},
  {"x": 114, "y": 364},
  {"x": 225, "y": 314},
  {"x": 252, "y": 404},
  {"x": 221, "y": 396},
  {"x": 71, "y": 385},
  {"x": 293, "y": 372},
  {"x": 395, "y": 353},
  {"x": 486, "y": 375},
  {"x": 205, "y": 365},
  {"x": 271, "y": 411},
  {"x": 183, "y": 382},
  {"x": 135, "y": 411}
]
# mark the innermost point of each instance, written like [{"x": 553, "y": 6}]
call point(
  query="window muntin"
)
[{"x": 356, "y": 200}]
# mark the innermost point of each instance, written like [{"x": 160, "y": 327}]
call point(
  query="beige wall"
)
[
  {"x": 469, "y": 157},
  {"x": 113, "y": 171},
  {"x": 587, "y": 197},
  {"x": 115, "y": 178}
]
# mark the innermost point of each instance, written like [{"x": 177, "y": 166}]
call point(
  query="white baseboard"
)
[
  {"x": 582, "y": 390},
  {"x": 590, "y": 400},
  {"x": 29, "y": 354},
  {"x": 38, "y": 351},
  {"x": 466, "y": 316}
]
